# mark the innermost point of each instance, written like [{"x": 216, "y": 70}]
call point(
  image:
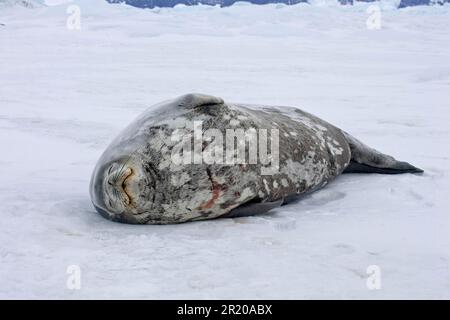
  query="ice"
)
[{"x": 64, "y": 94}]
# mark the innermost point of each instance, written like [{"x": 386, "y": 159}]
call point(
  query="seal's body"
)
[{"x": 197, "y": 157}]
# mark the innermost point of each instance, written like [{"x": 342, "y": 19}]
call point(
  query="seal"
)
[{"x": 197, "y": 157}]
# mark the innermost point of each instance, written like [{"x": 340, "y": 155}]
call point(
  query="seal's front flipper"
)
[
  {"x": 193, "y": 100},
  {"x": 252, "y": 208},
  {"x": 368, "y": 160}
]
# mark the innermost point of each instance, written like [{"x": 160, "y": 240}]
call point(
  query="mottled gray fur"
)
[{"x": 137, "y": 181}]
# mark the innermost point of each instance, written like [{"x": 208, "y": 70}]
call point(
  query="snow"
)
[{"x": 64, "y": 94}]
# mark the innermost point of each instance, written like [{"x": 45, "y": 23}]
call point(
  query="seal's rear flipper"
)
[
  {"x": 368, "y": 160},
  {"x": 404, "y": 167}
]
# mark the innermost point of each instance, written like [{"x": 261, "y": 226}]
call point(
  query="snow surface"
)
[{"x": 65, "y": 94}]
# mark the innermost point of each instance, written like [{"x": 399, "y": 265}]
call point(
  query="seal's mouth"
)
[
  {"x": 128, "y": 177},
  {"x": 118, "y": 182}
]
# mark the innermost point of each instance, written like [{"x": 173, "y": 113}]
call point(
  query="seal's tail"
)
[{"x": 367, "y": 160}]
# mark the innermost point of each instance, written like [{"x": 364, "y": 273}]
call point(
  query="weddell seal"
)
[{"x": 197, "y": 157}]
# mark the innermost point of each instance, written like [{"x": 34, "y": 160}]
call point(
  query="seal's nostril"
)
[
  {"x": 117, "y": 177},
  {"x": 124, "y": 176},
  {"x": 127, "y": 173}
]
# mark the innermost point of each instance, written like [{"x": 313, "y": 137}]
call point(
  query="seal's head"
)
[{"x": 117, "y": 188}]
